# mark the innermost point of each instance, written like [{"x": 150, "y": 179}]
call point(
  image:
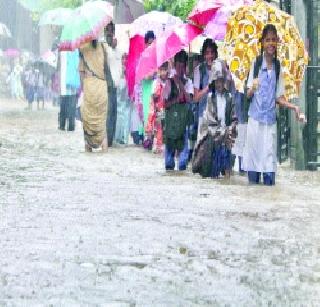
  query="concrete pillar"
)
[{"x": 299, "y": 11}]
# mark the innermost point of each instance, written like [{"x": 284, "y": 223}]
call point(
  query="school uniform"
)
[
  {"x": 260, "y": 152},
  {"x": 174, "y": 143}
]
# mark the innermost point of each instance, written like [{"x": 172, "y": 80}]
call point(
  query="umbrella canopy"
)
[
  {"x": 136, "y": 47},
  {"x": 242, "y": 45},
  {"x": 217, "y": 26},
  {"x": 4, "y": 31},
  {"x": 57, "y": 17},
  {"x": 50, "y": 58},
  {"x": 164, "y": 48},
  {"x": 11, "y": 53},
  {"x": 85, "y": 24},
  {"x": 204, "y": 11},
  {"x": 156, "y": 21}
]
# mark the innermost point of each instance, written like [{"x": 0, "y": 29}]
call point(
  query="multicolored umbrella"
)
[
  {"x": 242, "y": 44},
  {"x": 217, "y": 26},
  {"x": 85, "y": 24},
  {"x": 57, "y": 17},
  {"x": 4, "y": 31},
  {"x": 164, "y": 48},
  {"x": 156, "y": 21}
]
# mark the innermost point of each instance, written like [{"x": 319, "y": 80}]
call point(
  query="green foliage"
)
[
  {"x": 180, "y": 8},
  {"x": 52, "y": 4}
]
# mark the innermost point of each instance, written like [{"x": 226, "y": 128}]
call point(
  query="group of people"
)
[
  {"x": 189, "y": 114},
  {"x": 29, "y": 82}
]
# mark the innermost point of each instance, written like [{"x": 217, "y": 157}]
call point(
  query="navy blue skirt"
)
[{"x": 221, "y": 160}]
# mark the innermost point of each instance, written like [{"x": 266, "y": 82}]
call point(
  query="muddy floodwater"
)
[{"x": 115, "y": 229}]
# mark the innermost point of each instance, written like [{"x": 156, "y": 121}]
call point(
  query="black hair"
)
[
  {"x": 209, "y": 43},
  {"x": 267, "y": 29},
  {"x": 149, "y": 35},
  {"x": 94, "y": 43},
  {"x": 112, "y": 25},
  {"x": 165, "y": 66},
  {"x": 181, "y": 57}
]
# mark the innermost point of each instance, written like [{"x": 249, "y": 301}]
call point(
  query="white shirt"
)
[
  {"x": 221, "y": 106},
  {"x": 114, "y": 61},
  {"x": 196, "y": 77}
]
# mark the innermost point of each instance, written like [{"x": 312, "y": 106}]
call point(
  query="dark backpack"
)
[{"x": 256, "y": 70}]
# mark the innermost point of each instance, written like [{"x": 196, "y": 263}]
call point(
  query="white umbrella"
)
[
  {"x": 4, "y": 31},
  {"x": 156, "y": 21}
]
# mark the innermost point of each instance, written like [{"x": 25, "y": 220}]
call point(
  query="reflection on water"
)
[{"x": 82, "y": 229}]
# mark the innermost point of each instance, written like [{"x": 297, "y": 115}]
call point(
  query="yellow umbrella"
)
[{"x": 244, "y": 30}]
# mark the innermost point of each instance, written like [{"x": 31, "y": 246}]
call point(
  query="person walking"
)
[
  {"x": 177, "y": 95},
  {"x": 153, "y": 128},
  {"x": 202, "y": 75},
  {"x": 69, "y": 87},
  {"x": 212, "y": 157},
  {"x": 123, "y": 108},
  {"x": 94, "y": 108},
  {"x": 266, "y": 88}
]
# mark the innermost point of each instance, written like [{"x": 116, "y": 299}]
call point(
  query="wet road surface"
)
[{"x": 114, "y": 229}]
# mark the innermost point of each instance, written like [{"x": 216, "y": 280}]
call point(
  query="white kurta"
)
[
  {"x": 260, "y": 151},
  {"x": 240, "y": 140}
]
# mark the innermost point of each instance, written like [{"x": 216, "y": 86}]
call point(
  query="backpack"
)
[
  {"x": 256, "y": 70},
  {"x": 177, "y": 118}
]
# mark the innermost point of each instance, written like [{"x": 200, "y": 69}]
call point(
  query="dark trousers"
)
[
  {"x": 67, "y": 112},
  {"x": 268, "y": 178},
  {"x": 169, "y": 156},
  {"x": 112, "y": 114}
]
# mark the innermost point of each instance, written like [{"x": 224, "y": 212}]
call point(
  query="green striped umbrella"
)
[{"x": 85, "y": 24}]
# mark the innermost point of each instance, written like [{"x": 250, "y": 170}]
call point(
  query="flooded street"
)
[{"x": 115, "y": 229}]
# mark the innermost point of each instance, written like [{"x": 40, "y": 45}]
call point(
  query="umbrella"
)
[
  {"x": 156, "y": 21},
  {"x": 136, "y": 47},
  {"x": 50, "y": 58},
  {"x": 217, "y": 26},
  {"x": 164, "y": 48},
  {"x": 57, "y": 17},
  {"x": 12, "y": 53},
  {"x": 85, "y": 24},
  {"x": 242, "y": 45},
  {"x": 4, "y": 31},
  {"x": 204, "y": 11}
]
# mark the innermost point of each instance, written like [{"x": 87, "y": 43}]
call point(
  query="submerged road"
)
[{"x": 115, "y": 229}]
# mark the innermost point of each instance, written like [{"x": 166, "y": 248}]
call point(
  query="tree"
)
[
  {"x": 180, "y": 8},
  {"x": 52, "y": 4}
]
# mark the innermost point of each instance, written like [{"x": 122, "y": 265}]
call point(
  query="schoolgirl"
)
[{"x": 266, "y": 88}]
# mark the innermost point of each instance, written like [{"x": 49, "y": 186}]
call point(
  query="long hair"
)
[
  {"x": 209, "y": 43},
  {"x": 268, "y": 28}
]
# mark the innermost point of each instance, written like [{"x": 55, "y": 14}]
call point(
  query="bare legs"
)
[{"x": 104, "y": 146}]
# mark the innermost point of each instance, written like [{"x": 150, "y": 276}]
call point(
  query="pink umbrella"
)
[
  {"x": 50, "y": 58},
  {"x": 135, "y": 49},
  {"x": 12, "y": 53},
  {"x": 204, "y": 11},
  {"x": 217, "y": 26},
  {"x": 165, "y": 48}
]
